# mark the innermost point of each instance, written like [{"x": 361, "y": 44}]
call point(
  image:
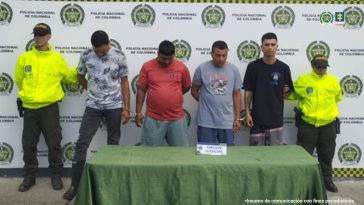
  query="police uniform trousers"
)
[
  {"x": 323, "y": 138},
  {"x": 43, "y": 120}
]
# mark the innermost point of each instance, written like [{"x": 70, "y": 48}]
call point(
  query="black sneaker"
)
[
  {"x": 330, "y": 186},
  {"x": 26, "y": 184},
  {"x": 70, "y": 193},
  {"x": 56, "y": 182}
]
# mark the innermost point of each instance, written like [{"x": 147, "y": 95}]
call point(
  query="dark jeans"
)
[
  {"x": 324, "y": 139},
  {"x": 90, "y": 123},
  {"x": 213, "y": 135},
  {"x": 45, "y": 120}
]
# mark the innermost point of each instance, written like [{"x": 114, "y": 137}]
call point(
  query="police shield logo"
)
[
  {"x": 213, "y": 17},
  {"x": 349, "y": 154},
  {"x": 6, "y": 84},
  {"x": 143, "y": 15},
  {"x": 115, "y": 44},
  {"x": 30, "y": 45},
  {"x": 248, "y": 51},
  {"x": 309, "y": 90},
  {"x": 72, "y": 89},
  {"x": 354, "y": 17},
  {"x": 6, "y": 13},
  {"x": 134, "y": 84},
  {"x": 68, "y": 152},
  {"x": 6, "y": 153},
  {"x": 351, "y": 86},
  {"x": 182, "y": 50},
  {"x": 72, "y": 15},
  {"x": 326, "y": 18},
  {"x": 28, "y": 69},
  {"x": 317, "y": 48},
  {"x": 283, "y": 17}
]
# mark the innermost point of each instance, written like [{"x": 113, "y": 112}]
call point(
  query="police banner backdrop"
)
[{"x": 304, "y": 29}]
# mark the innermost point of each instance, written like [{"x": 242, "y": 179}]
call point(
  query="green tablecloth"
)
[{"x": 120, "y": 175}]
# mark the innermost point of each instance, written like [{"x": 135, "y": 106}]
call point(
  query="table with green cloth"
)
[{"x": 125, "y": 175}]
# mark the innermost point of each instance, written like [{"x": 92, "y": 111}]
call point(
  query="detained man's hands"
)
[
  {"x": 139, "y": 119},
  {"x": 286, "y": 91},
  {"x": 236, "y": 126},
  {"x": 249, "y": 120},
  {"x": 125, "y": 115}
]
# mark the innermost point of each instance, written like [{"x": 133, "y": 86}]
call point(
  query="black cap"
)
[
  {"x": 319, "y": 61},
  {"x": 41, "y": 29}
]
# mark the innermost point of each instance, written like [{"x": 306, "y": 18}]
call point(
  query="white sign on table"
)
[{"x": 212, "y": 149}]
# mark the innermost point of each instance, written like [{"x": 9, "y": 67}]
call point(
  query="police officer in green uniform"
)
[{"x": 318, "y": 94}]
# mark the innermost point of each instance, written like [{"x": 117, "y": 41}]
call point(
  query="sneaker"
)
[
  {"x": 56, "y": 182},
  {"x": 26, "y": 184}
]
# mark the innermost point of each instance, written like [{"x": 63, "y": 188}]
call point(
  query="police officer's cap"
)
[
  {"x": 41, "y": 29},
  {"x": 319, "y": 61}
]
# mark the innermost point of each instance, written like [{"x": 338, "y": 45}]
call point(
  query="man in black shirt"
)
[{"x": 266, "y": 82}]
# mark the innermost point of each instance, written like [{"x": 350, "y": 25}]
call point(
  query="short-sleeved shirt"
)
[
  {"x": 164, "y": 88},
  {"x": 267, "y": 82},
  {"x": 104, "y": 73},
  {"x": 215, "y": 106}
]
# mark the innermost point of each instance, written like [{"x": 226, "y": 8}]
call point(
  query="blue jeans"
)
[{"x": 213, "y": 135}]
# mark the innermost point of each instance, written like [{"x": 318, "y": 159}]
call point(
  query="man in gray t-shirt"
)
[
  {"x": 108, "y": 96},
  {"x": 216, "y": 86}
]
